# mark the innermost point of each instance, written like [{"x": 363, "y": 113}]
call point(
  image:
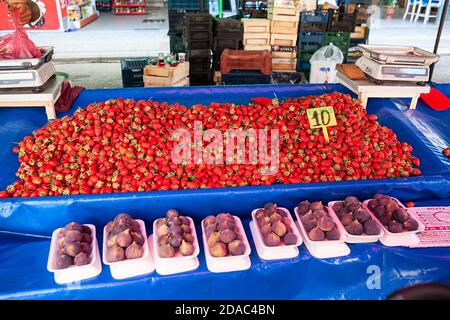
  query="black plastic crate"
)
[
  {"x": 201, "y": 79},
  {"x": 198, "y": 53},
  {"x": 195, "y": 68},
  {"x": 176, "y": 20},
  {"x": 204, "y": 35},
  {"x": 288, "y": 78},
  {"x": 188, "y": 5},
  {"x": 245, "y": 77},
  {"x": 310, "y": 41},
  {"x": 197, "y": 45},
  {"x": 303, "y": 63},
  {"x": 314, "y": 21},
  {"x": 197, "y": 21},
  {"x": 176, "y": 42},
  {"x": 340, "y": 21},
  {"x": 133, "y": 71},
  {"x": 227, "y": 26},
  {"x": 220, "y": 44}
]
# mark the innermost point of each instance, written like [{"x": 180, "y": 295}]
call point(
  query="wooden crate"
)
[
  {"x": 259, "y": 39},
  {"x": 284, "y": 54},
  {"x": 167, "y": 73},
  {"x": 256, "y": 47},
  {"x": 359, "y": 33},
  {"x": 284, "y": 64},
  {"x": 152, "y": 81},
  {"x": 217, "y": 77},
  {"x": 245, "y": 60},
  {"x": 284, "y": 27},
  {"x": 287, "y": 40},
  {"x": 256, "y": 25},
  {"x": 284, "y": 14}
]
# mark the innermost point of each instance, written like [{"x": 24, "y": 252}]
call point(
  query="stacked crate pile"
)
[
  {"x": 167, "y": 76},
  {"x": 284, "y": 16},
  {"x": 361, "y": 32},
  {"x": 227, "y": 35},
  {"x": 341, "y": 25},
  {"x": 256, "y": 34},
  {"x": 197, "y": 39}
]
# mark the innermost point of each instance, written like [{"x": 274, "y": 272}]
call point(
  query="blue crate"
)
[
  {"x": 187, "y": 5},
  {"x": 314, "y": 21},
  {"x": 310, "y": 41},
  {"x": 133, "y": 71},
  {"x": 245, "y": 77}
]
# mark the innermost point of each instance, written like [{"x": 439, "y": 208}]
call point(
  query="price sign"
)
[{"x": 322, "y": 118}]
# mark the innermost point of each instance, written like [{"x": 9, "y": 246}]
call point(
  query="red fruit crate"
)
[{"x": 246, "y": 60}]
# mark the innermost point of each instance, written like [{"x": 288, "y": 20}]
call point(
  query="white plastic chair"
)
[
  {"x": 413, "y": 4},
  {"x": 427, "y": 5}
]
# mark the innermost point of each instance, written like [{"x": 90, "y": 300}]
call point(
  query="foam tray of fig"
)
[
  {"x": 74, "y": 272},
  {"x": 365, "y": 231},
  {"x": 402, "y": 236},
  {"x": 324, "y": 248},
  {"x": 279, "y": 249},
  {"x": 130, "y": 267},
  {"x": 178, "y": 262},
  {"x": 228, "y": 262}
]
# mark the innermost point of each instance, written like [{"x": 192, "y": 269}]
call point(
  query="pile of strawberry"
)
[{"x": 125, "y": 146}]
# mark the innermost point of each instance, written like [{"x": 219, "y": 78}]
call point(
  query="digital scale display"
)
[
  {"x": 405, "y": 71},
  {"x": 16, "y": 76}
]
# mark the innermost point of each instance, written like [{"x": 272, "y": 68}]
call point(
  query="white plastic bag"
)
[{"x": 323, "y": 64}]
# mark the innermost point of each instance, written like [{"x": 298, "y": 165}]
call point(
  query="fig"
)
[
  {"x": 236, "y": 248},
  {"x": 86, "y": 247},
  {"x": 333, "y": 234},
  {"x": 174, "y": 221},
  {"x": 72, "y": 248},
  {"x": 86, "y": 229},
  {"x": 109, "y": 226},
  {"x": 219, "y": 250},
  {"x": 286, "y": 221},
  {"x": 310, "y": 224},
  {"x": 73, "y": 235},
  {"x": 265, "y": 229},
  {"x": 61, "y": 233},
  {"x": 82, "y": 259},
  {"x": 63, "y": 261},
  {"x": 172, "y": 213},
  {"x": 353, "y": 206},
  {"x": 264, "y": 221},
  {"x": 385, "y": 218},
  {"x": 272, "y": 239},
  {"x": 319, "y": 213},
  {"x": 86, "y": 238},
  {"x": 175, "y": 240},
  {"x": 411, "y": 224},
  {"x": 186, "y": 248},
  {"x": 371, "y": 227},
  {"x": 325, "y": 223},
  {"x": 162, "y": 230},
  {"x": 289, "y": 238},
  {"x": 124, "y": 239},
  {"x": 270, "y": 208},
  {"x": 260, "y": 214},
  {"x": 73, "y": 226},
  {"x": 281, "y": 212},
  {"x": 210, "y": 228},
  {"x": 338, "y": 206},
  {"x": 316, "y": 234},
  {"x": 379, "y": 211},
  {"x": 317, "y": 205},
  {"x": 303, "y": 207},
  {"x": 116, "y": 253},
  {"x": 384, "y": 200},
  {"x": 401, "y": 215},
  {"x": 135, "y": 226},
  {"x": 186, "y": 228},
  {"x": 361, "y": 215},
  {"x": 274, "y": 217},
  {"x": 279, "y": 228},
  {"x": 118, "y": 229},
  {"x": 355, "y": 228},
  {"x": 227, "y": 224},
  {"x": 137, "y": 237},
  {"x": 112, "y": 241},
  {"x": 347, "y": 219},
  {"x": 61, "y": 242},
  {"x": 221, "y": 217},
  {"x": 134, "y": 251},
  {"x": 309, "y": 216},
  {"x": 166, "y": 251},
  {"x": 391, "y": 205},
  {"x": 123, "y": 218},
  {"x": 164, "y": 239},
  {"x": 378, "y": 196},
  {"x": 209, "y": 220},
  {"x": 185, "y": 220},
  {"x": 395, "y": 227},
  {"x": 213, "y": 238},
  {"x": 175, "y": 229},
  {"x": 341, "y": 213},
  {"x": 228, "y": 235},
  {"x": 349, "y": 200},
  {"x": 189, "y": 237},
  {"x": 372, "y": 204},
  {"x": 161, "y": 222}
]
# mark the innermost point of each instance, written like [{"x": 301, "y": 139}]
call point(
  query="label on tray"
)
[
  {"x": 437, "y": 226},
  {"x": 322, "y": 118}
]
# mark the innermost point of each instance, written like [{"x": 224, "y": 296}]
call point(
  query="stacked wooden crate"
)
[
  {"x": 256, "y": 34},
  {"x": 284, "y": 16},
  {"x": 167, "y": 76}
]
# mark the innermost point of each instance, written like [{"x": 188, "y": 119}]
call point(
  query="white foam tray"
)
[
  {"x": 228, "y": 263},
  {"x": 275, "y": 253},
  {"x": 130, "y": 267},
  {"x": 326, "y": 248},
  {"x": 350, "y": 238},
  {"x": 402, "y": 239},
  {"x": 75, "y": 273},
  {"x": 178, "y": 263}
]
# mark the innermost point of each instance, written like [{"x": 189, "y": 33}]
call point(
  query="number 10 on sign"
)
[{"x": 322, "y": 118}]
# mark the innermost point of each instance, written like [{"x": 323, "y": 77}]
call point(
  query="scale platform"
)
[
  {"x": 27, "y": 78},
  {"x": 366, "y": 89}
]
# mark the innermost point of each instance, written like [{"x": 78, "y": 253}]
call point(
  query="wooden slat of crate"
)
[
  {"x": 256, "y": 25},
  {"x": 284, "y": 27},
  {"x": 288, "y": 40},
  {"x": 173, "y": 73},
  {"x": 217, "y": 77},
  {"x": 256, "y": 47},
  {"x": 360, "y": 32},
  {"x": 284, "y": 14},
  {"x": 152, "y": 81},
  {"x": 284, "y": 64},
  {"x": 284, "y": 55},
  {"x": 261, "y": 39}
]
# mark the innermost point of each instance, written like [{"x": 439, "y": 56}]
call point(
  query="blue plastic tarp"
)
[
  {"x": 42, "y": 215},
  {"x": 371, "y": 271}
]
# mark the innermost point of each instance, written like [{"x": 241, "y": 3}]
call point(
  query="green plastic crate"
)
[{"x": 340, "y": 40}]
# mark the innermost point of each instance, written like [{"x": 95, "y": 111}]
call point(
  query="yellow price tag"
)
[{"x": 322, "y": 118}]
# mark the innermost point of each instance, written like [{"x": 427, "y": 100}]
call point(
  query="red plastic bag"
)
[{"x": 17, "y": 45}]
